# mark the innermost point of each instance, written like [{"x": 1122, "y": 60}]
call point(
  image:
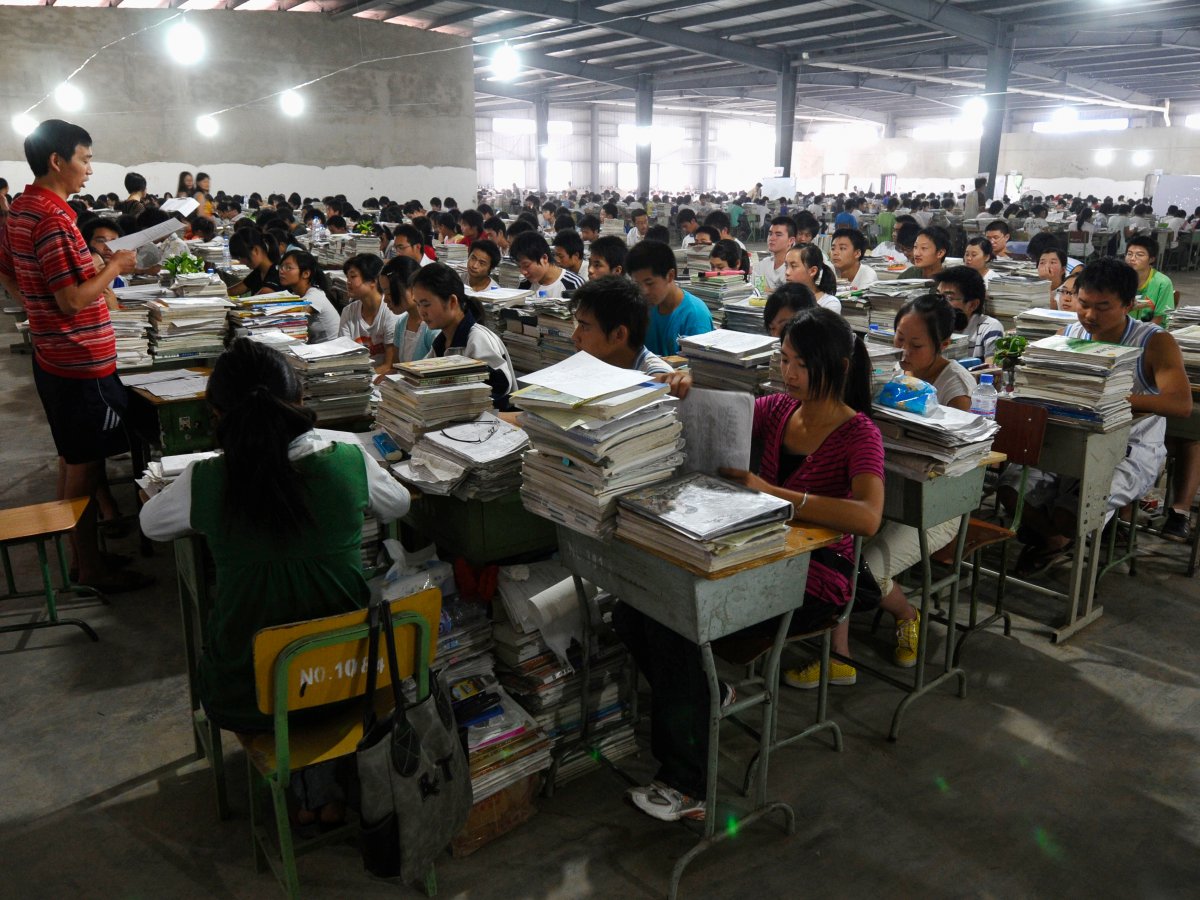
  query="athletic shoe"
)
[
  {"x": 728, "y": 694},
  {"x": 1177, "y": 528},
  {"x": 908, "y": 632},
  {"x": 810, "y": 676},
  {"x": 667, "y": 804}
]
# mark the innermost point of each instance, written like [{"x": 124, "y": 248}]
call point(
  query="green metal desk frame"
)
[{"x": 702, "y": 610}]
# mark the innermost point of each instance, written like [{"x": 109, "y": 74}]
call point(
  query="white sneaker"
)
[{"x": 667, "y": 804}]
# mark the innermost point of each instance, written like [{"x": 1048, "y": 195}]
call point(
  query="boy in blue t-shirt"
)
[{"x": 674, "y": 313}]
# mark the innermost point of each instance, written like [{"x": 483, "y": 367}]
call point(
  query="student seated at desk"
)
[
  {"x": 531, "y": 253},
  {"x": 929, "y": 251},
  {"x": 727, "y": 255},
  {"x": 674, "y": 313},
  {"x": 413, "y": 338},
  {"x": 846, "y": 251},
  {"x": 282, "y": 511},
  {"x": 483, "y": 257},
  {"x": 783, "y": 304},
  {"x": 1155, "y": 294},
  {"x": 997, "y": 233},
  {"x": 806, "y": 265},
  {"x": 978, "y": 256},
  {"x": 250, "y": 248},
  {"x": 366, "y": 320},
  {"x": 607, "y": 256},
  {"x": 444, "y": 304},
  {"x": 1106, "y": 289},
  {"x": 965, "y": 291},
  {"x": 568, "y": 250},
  {"x": 824, "y": 454},
  {"x": 300, "y": 273},
  {"x": 611, "y": 317}
]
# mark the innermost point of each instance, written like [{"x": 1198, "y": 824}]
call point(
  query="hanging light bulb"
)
[
  {"x": 23, "y": 124},
  {"x": 291, "y": 102},
  {"x": 68, "y": 97},
  {"x": 506, "y": 63},
  {"x": 207, "y": 126},
  {"x": 185, "y": 43}
]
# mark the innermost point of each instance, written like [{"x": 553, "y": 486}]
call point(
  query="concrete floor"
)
[{"x": 1068, "y": 771}]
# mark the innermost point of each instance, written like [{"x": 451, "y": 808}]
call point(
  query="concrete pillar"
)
[
  {"x": 1000, "y": 60},
  {"x": 541, "y": 109},
  {"x": 785, "y": 120},
  {"x": 889, "y": 128},
  {"x": 594, "y": 141},
  {"x": 645, "y": 118},
  {"x": 702, "y": 182}
]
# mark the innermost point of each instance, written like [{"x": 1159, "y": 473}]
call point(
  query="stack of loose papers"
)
[
  {"x": 597, "y": 432},
  {"x": 172, "y": 384},
  {"x": 886, "y": 298},
  {"x": 1039, "y": 322},
  {"x": 336, "y": 375},
  {"x": 161, "y": 473},
  {"x": 1188, "y": 339},
  {"x": 479, "y": 460},
  {"x": 496, "y": 300},
  {"x": 429, "y": 393},
  {"x": 199, "y": 284},
  {"x": 745, "y": 314},
  {"x": 1085, "y": 384},
  {"x": 186, "y": 327},
  {"x": 729, "y": 360},
  {"x": 1009, "y": 295},
  {"x": 281, "y": 311},
  {"x": 705, "y": 522},
  {"x": 948, "y": 441}
]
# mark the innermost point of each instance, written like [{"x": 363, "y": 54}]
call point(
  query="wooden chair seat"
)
[
  {"x": 980, "y": 534},
  {"x": 329, "y": 738}
]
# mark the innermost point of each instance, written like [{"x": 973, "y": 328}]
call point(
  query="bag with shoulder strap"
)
[{"x": 416, "y": 788}]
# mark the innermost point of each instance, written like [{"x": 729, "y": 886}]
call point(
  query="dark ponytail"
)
[
  {"x": 306, "y": 262},
  {"x": 443, "y": 282},
  {"x": 858, "y": 379},
  {"x": 246, "y": 239},
  {"x": 811, "y": 256},
  {"x": 257, "y": 397}
]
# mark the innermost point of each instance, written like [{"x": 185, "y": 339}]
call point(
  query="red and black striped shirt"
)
[{"x": 42, "y": 249}]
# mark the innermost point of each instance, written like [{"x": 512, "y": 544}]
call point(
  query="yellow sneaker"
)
[
  {"x": 810, "y": 676},
  {"x": 907, "y": 634}
]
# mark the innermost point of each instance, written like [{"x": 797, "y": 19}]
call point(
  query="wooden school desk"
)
[
  {"x": 703, "y": 607},
  {"x": 184, "y": 423}
]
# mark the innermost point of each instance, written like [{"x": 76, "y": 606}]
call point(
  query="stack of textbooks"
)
[
  {"x": 453, "y": 255},
  {"x": 336, "y": 375},
  {"x": 1010, "y": 295},
  {"x": 479, "y": 460},
  {"x": 428, "y": 393},
  {"x": 774, "y": 383},
  {"x": 745, "y": 314},
  {"x": 495, "y": 301},
  {"x": 131, "y": 325},
  {"x": 1039, "y": 322},
  {"x": 948, "y": 441},
  {"x": 555, "y": 325},
  {"x": 1188, "y": 339},
  {"x": 209, "y": 251},
  {"x": 1084, "y": 384},
  {"x": 281, "y": 311},
  {"x": 698, "y": 259},
  {"x": 597, "y": 432},
  {"x": 507, "y": 274},
  {"x": 187, "y": 327},
  {"x": 612, "y": 227},
  {"x": 520, "y": 335},
  {"x": 729, "y": 360},
  {"x": 1183, "y": 316},
  {"x": 886, "y": 298},
  {"x": 856, "y": 310},
  {"x": 704, "y": 522},
  {"x": 885, "y": 360},
  {"x": 199, "y": 284},
  {"x": 718, "y": 288}
]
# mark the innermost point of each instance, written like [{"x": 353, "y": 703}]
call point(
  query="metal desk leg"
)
[
  {"x": 1080, "y": 612},
  {"x": 949, "y": 670},
  {"x": 48, "y": 592}
]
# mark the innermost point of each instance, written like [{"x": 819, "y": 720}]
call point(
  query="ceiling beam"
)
[
  {"x": 399, "y": 9},
  {"x": 465, "y": 15},
  {"x": 575, "y": 69},
  {"x": 943, "y": 17},
  {"x": 669, "y": 35}
]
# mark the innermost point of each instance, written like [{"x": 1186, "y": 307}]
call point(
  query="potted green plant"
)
[{"x": 1008, "y": 356}]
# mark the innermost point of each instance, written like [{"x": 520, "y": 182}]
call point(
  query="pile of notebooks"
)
[
  {"x": 774, "y": 382},
  {"x": 612, "y": 227},
  {"x": 210, "y": 251},
  {"x": 597, "y": 432},
  {"x": 426, "y": 394},
  {"x": 1084, "y": 384},
  {"x": 187, "y": 327},
  {"x": 886, "y": 298},
  {"x": 728, "y": 360},
  {"x": 340, "y": 247},
  {"x": 884, "y": 362},
  {"x": 1183, "y": 316},
  {"x": 1188, "y": 339},
  {"x": 555, "y": 325},
  {"x": 495, "y": 301},
  {"x": 507, "y": 274},
  {"x": 1039, "y": 322},
  {"x": 131, "y": 325},
  {"x": 453, "y": 255},
  {"x": 160, "y": 473},
  {"x": 745, "y": 314},
  {"x": 1009, "y": 295},
  {"x": 280, "y": 311},
  {"x": 477, "y": 460},
  {"x": 199, "y": 284},
  {"x": 521, "y": 338},
  {"x": 948, "y": 441},
  {"x": 718, "y": 288},
  {"x": 336, "y": 376},
  {"x": 856, "y": 310},
  {"x": 698, "y": 258},
  {"x": 704, "y": 522}
]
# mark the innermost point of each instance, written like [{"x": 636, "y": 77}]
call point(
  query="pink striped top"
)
[{"x": 852, "y": 449}]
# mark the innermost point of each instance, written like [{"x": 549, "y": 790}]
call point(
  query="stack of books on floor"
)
[
  {"x": 478, "y": 460},
  {"x": 1188, "y": 339},
  {"x": 718, "y": 288},
  {"x": 745, "y": 314},
  {"x": 1010, "y": 295},
  {"x": 886, "y": 298},
  {"x": 336, "y": 375},
  {"x": 884, "y": 362},
  {"x": 520, "y": 335},
  {"x": 428, "y": 393},
  {"x": 1084, "y": 384},
  {"x": 948, "y": 441},
  {"x": 704, "y": 522},
  {"x": 1039, "y": 322},
  {"x": 187, "y": 327},
  {"x": 280, "y": 311},
  {"x": 597, "y": 432},
  {"x": 729, "y": 360},
  {"x": 494, "y": 303}
]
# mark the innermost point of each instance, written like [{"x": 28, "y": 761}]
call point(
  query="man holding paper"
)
[{"x": 45, "y": 262}]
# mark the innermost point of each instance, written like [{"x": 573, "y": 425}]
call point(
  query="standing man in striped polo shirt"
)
[{"x": 45, "y": 262}]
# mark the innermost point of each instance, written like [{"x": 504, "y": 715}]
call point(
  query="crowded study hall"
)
[{"x": 623, "y": 503}]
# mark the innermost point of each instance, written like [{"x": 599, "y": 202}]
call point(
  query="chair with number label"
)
[{"x": 314, "y": 664}]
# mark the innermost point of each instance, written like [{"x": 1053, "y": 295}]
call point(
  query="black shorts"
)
[{"x": 86, "y": 415}]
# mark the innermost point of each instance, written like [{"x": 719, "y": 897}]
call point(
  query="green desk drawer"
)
[
  {"x": 482, "y": 532},
  {"x": 185, "y": 426}
]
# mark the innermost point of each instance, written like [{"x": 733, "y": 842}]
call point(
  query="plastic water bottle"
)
[
  {"x": 983, "y": 398},
  {"x": 225, "y": 249}
]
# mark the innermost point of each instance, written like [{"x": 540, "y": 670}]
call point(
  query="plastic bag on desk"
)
[
  {"x": 412, "y": 572},
  {"x": 909, "y": 394}
]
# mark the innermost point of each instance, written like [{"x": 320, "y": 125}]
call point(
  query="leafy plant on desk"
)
[
  {"x": 183, "y": 264},
  {"x": 1008, "y": 356},
  {"x": 363, "y": 226}
]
